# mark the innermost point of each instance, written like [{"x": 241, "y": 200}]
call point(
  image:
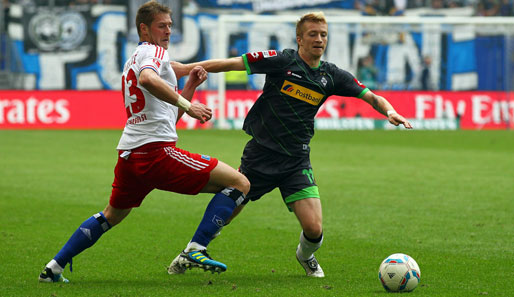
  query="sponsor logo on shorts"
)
[
  {"x": 205, "y": 157},
  {"x": 301, "y": 93}
]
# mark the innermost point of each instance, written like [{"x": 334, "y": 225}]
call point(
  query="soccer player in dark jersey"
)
[{"x": 281, "y": 123}]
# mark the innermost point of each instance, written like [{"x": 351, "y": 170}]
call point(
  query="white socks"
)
[
  {"x": 306, "y": 248},
  {"x": 56, "y": 268},
  {"x": 193, "y": 246}
]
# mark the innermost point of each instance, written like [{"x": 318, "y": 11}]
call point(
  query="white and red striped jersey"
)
[{"x": 149, "y": 119}]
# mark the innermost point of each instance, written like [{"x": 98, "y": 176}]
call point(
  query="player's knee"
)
[
  {"x": 112, "y": 219},
  {"x": 313, "y": 230},
  {"x": 114, "y": 216},
  {"x": 235, "y": 194},
  {"x": 243, "y": 184}
]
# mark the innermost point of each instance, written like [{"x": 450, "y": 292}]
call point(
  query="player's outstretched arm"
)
[
  {"x": 214, "y": 65},
  {"x": 383, "y": 106},
  {"x": 151, "y": 81},
  {"x": 196, "y": 77}
]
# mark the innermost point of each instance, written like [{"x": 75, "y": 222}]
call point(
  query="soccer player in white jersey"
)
[{"x": 147, "y": 156}]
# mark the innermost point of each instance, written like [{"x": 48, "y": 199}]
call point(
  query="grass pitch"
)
[{"x": 444, "y": 198}]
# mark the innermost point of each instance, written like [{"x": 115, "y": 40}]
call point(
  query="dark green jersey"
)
[{"x": 282, "y": 118}]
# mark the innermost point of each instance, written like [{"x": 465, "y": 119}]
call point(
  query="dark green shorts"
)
[{"x": 267, "y": 170}]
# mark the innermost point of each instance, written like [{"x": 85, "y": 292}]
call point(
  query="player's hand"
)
[
  {"x": 396, "y": 119},
  {"x": 197, "y": 76},
  {"x": 200, "y": 112}
]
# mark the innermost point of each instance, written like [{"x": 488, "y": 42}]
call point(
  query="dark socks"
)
[{"x": 84, "y": 237}]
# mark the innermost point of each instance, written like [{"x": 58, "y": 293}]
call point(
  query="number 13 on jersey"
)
[{"x": 133, "y": 92}]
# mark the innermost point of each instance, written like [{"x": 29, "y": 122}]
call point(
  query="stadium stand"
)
[{"x": 25, "y": 55}]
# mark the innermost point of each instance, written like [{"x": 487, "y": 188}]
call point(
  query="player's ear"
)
[{"x": 143, "y": 28}]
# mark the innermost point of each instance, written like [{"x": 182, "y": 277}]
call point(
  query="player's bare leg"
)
[
  {"x": 309, "y": 214},
  {"x": 115, "y": 215}
]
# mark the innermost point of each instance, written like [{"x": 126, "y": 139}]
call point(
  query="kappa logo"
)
[{"x": 391, "y": 274}]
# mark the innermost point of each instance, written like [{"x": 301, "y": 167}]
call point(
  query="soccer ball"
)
[{"x": 399, "y": 273}]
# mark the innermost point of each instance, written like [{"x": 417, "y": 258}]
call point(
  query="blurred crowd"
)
[
  {"x": 67, "y": 2},
  {"x": 367, "y": 7},
  {"x": 398, "y": 7}
]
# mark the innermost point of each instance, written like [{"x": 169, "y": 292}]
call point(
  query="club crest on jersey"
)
[
  {"x": 324, "y": 81},
  {"x": 218, "y": 221},
  {"x": 301, "y": 93},
  {"x": 257, "y": 56}
]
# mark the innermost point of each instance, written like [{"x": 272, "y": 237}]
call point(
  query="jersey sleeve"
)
[
  {"x": 153, "y": 57},
  {"x": 264, "y": 62},
  {"x": 347, "y": 85}
]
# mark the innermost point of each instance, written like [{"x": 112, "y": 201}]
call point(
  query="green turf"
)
[{"x": 445, "y": 198}]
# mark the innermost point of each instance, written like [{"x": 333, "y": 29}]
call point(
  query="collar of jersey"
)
[{"x": 315, "y": 68}]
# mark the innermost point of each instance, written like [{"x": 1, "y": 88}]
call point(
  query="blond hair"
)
[
  {"x": 147, "y": 12},
  {"x": 318, "y": 17}
]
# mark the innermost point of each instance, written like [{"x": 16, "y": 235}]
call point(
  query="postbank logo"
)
[{"x": 301, "y": 93}]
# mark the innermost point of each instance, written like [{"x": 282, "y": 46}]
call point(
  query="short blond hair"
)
[{"x": 317, "y": 17}]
